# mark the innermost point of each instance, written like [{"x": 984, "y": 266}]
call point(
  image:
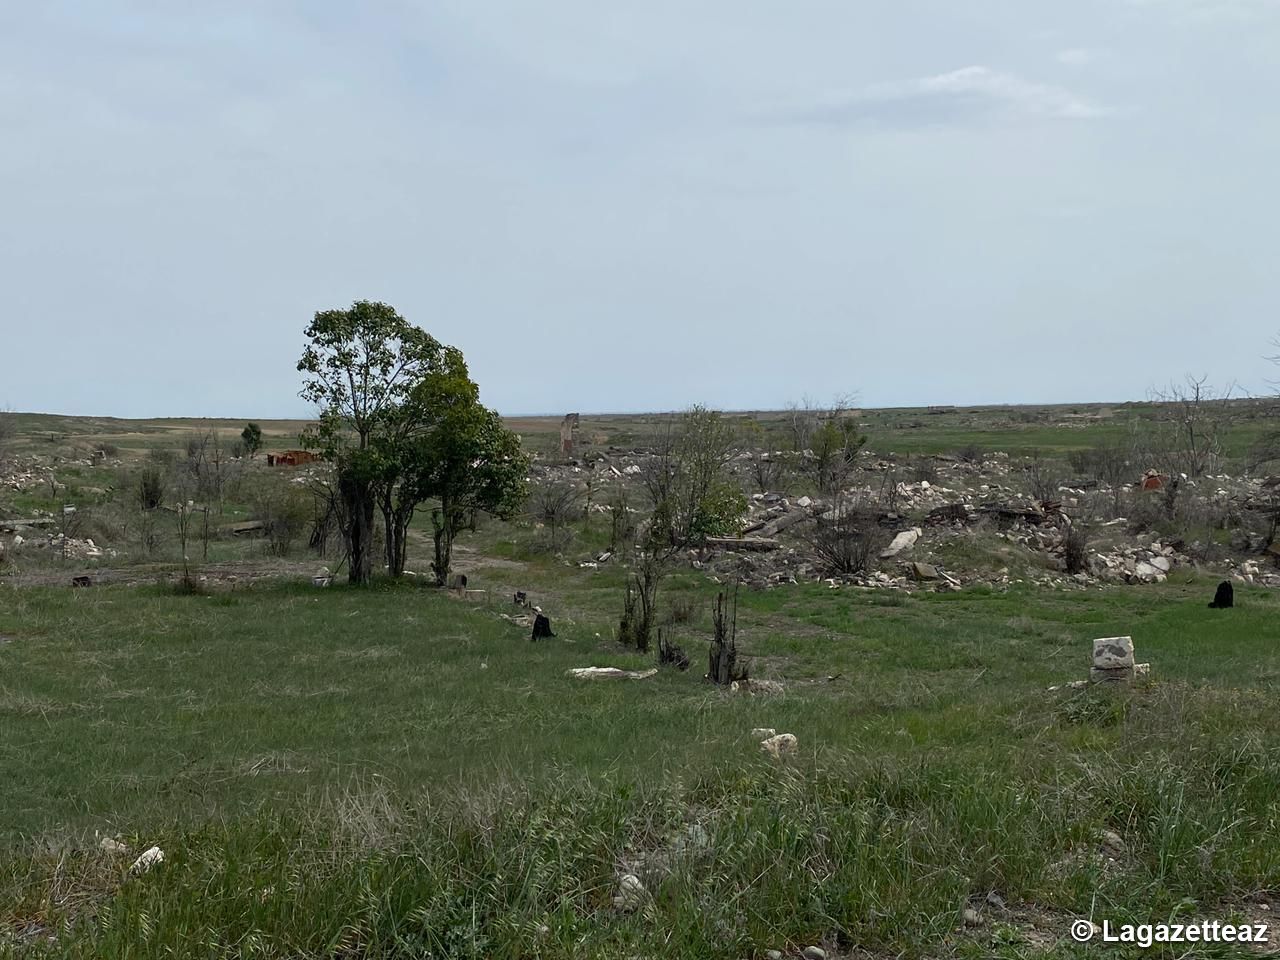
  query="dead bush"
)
[
  {"x": 1043, "y": 477},
  {"x": 668, "y": 653},
  {"x": 622, "y": 523},
  {"x": 722, "y": 659},
  {"x": 680, "y": 610},
  {"x": 285, "y": 510},
  {"x": 922, "y": 470},
  {"x": 639, "y": 603},
  {"x": 555, "y": 505},
  {"x": 770, "y": 472},
  {"x": 1075, "y": 549},
  {"x": 848, "y": 539}
]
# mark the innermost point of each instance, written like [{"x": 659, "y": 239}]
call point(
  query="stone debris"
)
[
  {"x": 112, "y": 845},
  {"x": 903, "y": 541},
  {"x": 631, "y": 895},
  {"x": 763, "y": 733},
  {"x": 151, "y": 857},
  {"x": 780, "y": 745},
  {"x": 756, "y": 686},
  {"x": 611, "y": 673}
]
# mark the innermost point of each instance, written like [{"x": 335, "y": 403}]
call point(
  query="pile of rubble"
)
[
  {"x": 1251, "y": 572},
  {"x": 69, "y": 547},
  {"x": 1149, "y": 564},
  {"x": 28, "y": 474}
]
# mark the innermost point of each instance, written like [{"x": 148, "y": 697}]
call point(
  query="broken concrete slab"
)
[
  {"x": 903, "y": 541},
  {"x": 611, "y": 673},
  {"x": 924, "y": 571},
  {"x": 775, "y": 526},
  {"x": 743, "y": 543}
]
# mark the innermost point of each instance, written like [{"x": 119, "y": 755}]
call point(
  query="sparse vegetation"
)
[{"x": 929, "y": 746}]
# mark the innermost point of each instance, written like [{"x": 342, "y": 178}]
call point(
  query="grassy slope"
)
[{"x": 936, "y": 768}]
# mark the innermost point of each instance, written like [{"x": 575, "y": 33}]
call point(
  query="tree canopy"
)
[{"x": 401, "y": 421}]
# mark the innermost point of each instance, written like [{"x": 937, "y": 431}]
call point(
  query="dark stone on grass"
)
[
  {"x": 541, "y": 628},
  {"x": 1225, "y": 597},
  {"x": 82, "y": 581}
]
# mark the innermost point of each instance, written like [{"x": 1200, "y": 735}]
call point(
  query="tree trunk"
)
[
  {"x": 397, "y": 541},
  {"x": 359, "y": 502},
  {"x": 445, "y": 522},
  {"x": 389, "y": 528}
]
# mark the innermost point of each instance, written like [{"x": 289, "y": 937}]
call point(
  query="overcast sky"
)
[{"x": 638, "y": 206}]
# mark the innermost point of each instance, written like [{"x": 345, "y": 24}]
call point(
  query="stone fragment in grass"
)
[
  {"x": 763, "y": 733},
  {"x": 780, "y": 745},
  {"x": 151, "y": 857},
  {"x": 611, "y": 673},
  {"x": 112, "y": 845},
  {"x": 631, "y": 893},
  {"x": 972, "y": 918},
  {"x": 813, "y": 953},
  {"x": 1111, "y": 843}
]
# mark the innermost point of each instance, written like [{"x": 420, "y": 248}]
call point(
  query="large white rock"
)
[{"x": 904, "y": 540}]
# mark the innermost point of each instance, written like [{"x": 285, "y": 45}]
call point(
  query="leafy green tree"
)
[
  {"x": 362, "y": 367},
  {"x": 688, "y": 484},
  {"x": 468, "y": 462},
  {"x": 251, "y": 437},
  {"x": 407, "y": 454}
]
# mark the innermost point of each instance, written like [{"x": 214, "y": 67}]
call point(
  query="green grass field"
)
[{"x": 395, "y": 772}]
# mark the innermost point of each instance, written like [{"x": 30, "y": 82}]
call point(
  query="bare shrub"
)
[
  {"x": 556, "y": 504},
  {"x": 848, "y": 539},
  {"x": 1075, "y": 548},
  {"x": 722, "y": 660},
  {"x": 635, "y": 629},
  {"x": 668, "y": 653},
  {"x": 681, "y": 610},
  {"x": 971, "y": 453},
  {"x": 150, "y": 487},
  {"x": 922, "y": 470},
  {"x": 285, "y": 510},
  {"x": 622, "y": 523},
  {"x": 770, "y": 472},
  {"x": 1042, "y": 477},
  {"x": 210, "y": 465},
  {"x": 1192, "y": 420}
]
